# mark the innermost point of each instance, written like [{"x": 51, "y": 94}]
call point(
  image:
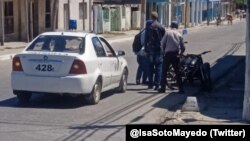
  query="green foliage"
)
[{"x": 240, "y": 1}]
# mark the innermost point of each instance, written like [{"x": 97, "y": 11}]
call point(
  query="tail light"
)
[
  {"x": 16, "y": 64},
  {"x": 78, "y": 67}
]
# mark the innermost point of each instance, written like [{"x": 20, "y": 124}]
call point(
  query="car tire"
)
[
  {"x": 23, "y": 97},
  {"x": 123, "y": 82},
  {"x": 95, "y": 95}
]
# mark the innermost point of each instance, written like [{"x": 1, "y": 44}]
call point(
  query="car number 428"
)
[{"x": 44, "y": 67}]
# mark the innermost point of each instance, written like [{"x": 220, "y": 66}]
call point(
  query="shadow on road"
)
[{"x": 52, "y": 101}]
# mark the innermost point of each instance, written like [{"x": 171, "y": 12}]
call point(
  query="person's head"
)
[
  {"x": 154, "y": 15},
  {"x": 174, "y": 24}
]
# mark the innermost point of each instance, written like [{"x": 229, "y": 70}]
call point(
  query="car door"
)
[
  {"x": 104, "y": 62},
  {"x": 116, "y": 74}
]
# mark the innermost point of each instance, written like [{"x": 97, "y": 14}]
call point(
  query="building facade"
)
[{"x": 25, "y": 19}]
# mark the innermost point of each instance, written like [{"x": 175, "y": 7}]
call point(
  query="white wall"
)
[
  {"x": 128, "y": 18},
  {"x": 74, "y": 14},
  {"x": 136, "y": 19}
]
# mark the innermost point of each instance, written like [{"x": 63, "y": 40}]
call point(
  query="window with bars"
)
[
  {"x": 8, "y": 17},
  {"x": 47, "y": 14}
]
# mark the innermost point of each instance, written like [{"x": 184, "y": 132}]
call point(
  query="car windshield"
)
[{"x": 57, "y": 43}]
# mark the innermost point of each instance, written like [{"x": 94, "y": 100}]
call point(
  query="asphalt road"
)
[{"x": 67, "y": 118}]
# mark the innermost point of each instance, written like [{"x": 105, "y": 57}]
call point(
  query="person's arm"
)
[
  {"x": 164, "y": 42},
  {"x": 146, "y": 40},
  {"x": 182, "y": 46}
]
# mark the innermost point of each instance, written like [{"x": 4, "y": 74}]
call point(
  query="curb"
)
[{"x": 16, "y": 47}]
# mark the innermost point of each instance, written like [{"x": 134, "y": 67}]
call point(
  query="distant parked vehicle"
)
[{"x": 68, "y": 63}]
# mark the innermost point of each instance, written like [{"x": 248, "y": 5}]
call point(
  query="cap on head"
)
[
  {"x": 174, "y": 24},
  {"x": 154, "y": 15}
]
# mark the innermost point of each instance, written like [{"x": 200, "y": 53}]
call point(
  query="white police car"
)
[{"x": 68, "y": 63}]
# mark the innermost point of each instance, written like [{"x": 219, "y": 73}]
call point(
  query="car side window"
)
[
  {"x": 100, "y": 52},
  {"x": 110, "y": 52}
]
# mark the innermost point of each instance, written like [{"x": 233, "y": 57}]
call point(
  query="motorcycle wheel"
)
[
  {"x": 206, "y": 78},
  {"x": 171, "y": 76}
]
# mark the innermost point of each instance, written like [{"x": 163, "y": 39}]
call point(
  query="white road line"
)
[{"x": 6, "y": 57}]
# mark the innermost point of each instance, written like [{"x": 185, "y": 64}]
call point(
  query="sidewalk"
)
[{"x": 111, "y": 37}]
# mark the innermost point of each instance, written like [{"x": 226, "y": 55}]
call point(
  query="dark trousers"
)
[
  {"x": 155, "y": 69},
  {"x": 171, "y": 58},
  {"x": 142, "y": 70}
]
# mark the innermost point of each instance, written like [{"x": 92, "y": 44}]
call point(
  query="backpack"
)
[
  {"x": 137, "y": 43},
  {"x": 155, "y": 37}
]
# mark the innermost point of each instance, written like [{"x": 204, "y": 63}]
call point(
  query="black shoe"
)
[
  {"x": 144, "y": 82},
  {"x": 161, "y": 90},
  {"x": 156, "y": 88},
  {"x": 137, "y": 82},
  {"x": 150, "y": 87},
  {"x": 181, "y": 92}
]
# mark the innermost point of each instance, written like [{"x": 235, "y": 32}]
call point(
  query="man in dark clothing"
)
[
  {"x": 172, "y": 45},
  {"x": 154, "y": 34}
]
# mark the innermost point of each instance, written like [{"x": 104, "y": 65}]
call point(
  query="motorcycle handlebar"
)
[{"x": 205, "y": 52}]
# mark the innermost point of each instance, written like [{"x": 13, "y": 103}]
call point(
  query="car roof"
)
[{"x": 67, "y": 33}]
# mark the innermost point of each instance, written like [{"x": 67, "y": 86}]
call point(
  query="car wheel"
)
[
  {"x": 23, "y": 97},
  {"x": 123, "y": 82},
  {"x": 95, "y": 96}
]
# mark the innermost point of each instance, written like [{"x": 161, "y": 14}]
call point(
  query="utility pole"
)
[
  {"x": 83, "y": 13},
  {"x": 2, "y": 21},
  {"x": 143, "y": 13},
  {"x": 69, "y": 14},
  {"x": 90, "y": 14},
  {"x": 27, "y": 20},
  {"x": 246, "y": 104},
  {"x": 207, "y": 12},
  {"x": 186, "y": 13}
]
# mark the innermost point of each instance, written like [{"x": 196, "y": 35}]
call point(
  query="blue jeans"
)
[
  {"x": 155, "y": 69},
  {"x": 142, "y": 70}
]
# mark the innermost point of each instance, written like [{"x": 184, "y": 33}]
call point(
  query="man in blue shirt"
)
[{"x": 154, "y": 33}]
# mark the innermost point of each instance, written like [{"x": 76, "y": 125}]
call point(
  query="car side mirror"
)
[{"x": 120, "y": 53}]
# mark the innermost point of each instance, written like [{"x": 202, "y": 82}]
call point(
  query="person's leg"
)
[
  {"x": 145, "y": 63},
  {"x": 139, "y": 70},
  {"x": 165, "y": 66},
  {"x": 158, "y": 70},
  {"x": 175, "y": 64},
  {"x": 150, "y": 72}
]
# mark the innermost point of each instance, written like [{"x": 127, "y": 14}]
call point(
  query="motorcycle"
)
[{"x": 192, "y": 67}]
